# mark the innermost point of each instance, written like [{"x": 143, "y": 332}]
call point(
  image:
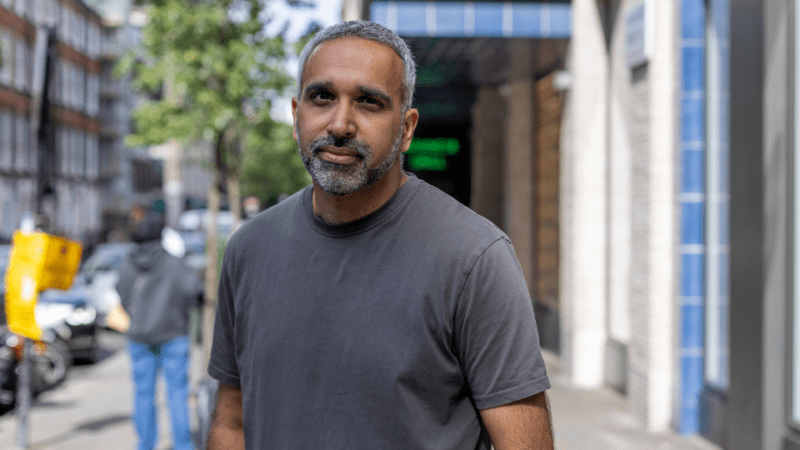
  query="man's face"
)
[{"x": 349, "y": 121}]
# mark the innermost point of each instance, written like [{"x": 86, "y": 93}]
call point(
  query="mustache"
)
[{"x": 360, "y": 147}]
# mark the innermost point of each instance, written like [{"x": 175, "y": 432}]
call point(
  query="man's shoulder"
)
[
  {"x": 444, "y": 214},
  {"x": 441, "y": 225}
]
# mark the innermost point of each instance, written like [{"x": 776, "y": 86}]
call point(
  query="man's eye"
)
[
  {"x": 372, "y": 101},
  {"x": 321, "y": 96}
]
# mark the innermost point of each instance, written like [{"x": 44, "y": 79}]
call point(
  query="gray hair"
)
[{"x": 373, "y": 32}]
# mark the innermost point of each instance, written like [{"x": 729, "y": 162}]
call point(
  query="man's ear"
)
[
  {"x": 294, "y": 119},
  {"x": 410, "y": 120}
]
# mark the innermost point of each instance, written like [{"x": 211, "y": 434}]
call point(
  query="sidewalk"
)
[
  {"x": 92, "y": 411},
  {"x": 599, "y": 419}
]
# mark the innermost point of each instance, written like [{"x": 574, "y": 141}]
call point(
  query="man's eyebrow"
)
[
  {"x": 317, "y": 86},
  {"x": 372, "y": 92}
]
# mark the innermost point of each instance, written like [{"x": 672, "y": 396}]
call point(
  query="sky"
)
[{"x": 326, "y": 12}]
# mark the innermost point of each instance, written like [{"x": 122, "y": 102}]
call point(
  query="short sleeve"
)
[
  {"x": 222, "y": 364},
  {"x": 495, "y": 331}
]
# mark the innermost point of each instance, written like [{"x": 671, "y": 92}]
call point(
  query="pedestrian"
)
[
  {"x": 157, "y": 291},
  {"x": 371, "y": 310}
]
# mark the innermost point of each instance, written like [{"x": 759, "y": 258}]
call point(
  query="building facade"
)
[
  {"x": 93, "y": 177},
  {"x": 674, "y": 216}
]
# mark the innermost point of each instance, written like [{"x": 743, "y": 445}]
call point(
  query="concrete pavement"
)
[
  {"x": 92, "y": 411},
  {"x": 598, "y": 419}
]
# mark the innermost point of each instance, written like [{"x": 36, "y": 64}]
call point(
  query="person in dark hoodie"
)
[{"x": 158, "y": 291}]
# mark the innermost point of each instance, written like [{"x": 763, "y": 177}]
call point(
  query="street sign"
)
[{"x": 38, "y": 261}]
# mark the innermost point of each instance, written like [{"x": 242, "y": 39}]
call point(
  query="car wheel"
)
[
  {"x": 52, "y": 364},
  {"x": 90, "y": 355}
]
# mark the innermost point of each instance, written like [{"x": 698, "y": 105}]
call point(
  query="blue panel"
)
[
  {"x": 693, "y": 166},
  {"x": 692, "y": 275},
  {"x": 690, "y": 423},
  {"x": 692, "y": 326},
  {"x": 379, "y": 13},
  {"x": 527, "y": 20},
  {"x": 693, "y": 19},
  {"x": 488, "y": 19},
  {"x": 692, "y": 223},
  {"x": 411, "y": 19},
  {"x": 450, "y": 19},
  {"x": 560, "y": 21},
  {"x": 692, "y": 120},
  {"x": 691, "y": 379},
  {"x": 693, "y": 58}
]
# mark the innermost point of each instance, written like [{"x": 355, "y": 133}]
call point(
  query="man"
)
[
  {"x": 372, "y": 310},
  {"x": 157, "y": 291}
]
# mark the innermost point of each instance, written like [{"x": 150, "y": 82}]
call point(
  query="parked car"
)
[{"x": 198, "y": 219}]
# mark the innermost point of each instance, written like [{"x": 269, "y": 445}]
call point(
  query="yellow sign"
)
[{"x": 38, "y": 261}]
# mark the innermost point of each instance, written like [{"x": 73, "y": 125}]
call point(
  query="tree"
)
[
  {"x": 210, "y": 73},
  {"x": 271, "y": 165}
]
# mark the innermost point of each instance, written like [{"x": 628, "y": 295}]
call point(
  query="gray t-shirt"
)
[{"x": 386, "y": 332}]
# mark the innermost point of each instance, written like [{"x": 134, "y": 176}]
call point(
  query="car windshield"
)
[{"x": 107, "y": 257}]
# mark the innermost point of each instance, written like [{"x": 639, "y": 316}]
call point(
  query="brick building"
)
[{"x": 89, "y": 106}]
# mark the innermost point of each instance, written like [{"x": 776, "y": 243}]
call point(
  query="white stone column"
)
[
  {"x": 583, "y": 200},
  {"x": 663, "y": 216}
]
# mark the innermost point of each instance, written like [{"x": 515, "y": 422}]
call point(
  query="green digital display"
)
[{"x": 431, "y": 153}]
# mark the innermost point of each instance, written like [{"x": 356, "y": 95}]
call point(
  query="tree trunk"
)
[
  {"x": 212, "y": 263},
  {"x": 234, "y": 198}
]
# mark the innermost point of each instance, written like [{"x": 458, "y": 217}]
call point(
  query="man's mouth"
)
[{"x": 339, "y": 155}]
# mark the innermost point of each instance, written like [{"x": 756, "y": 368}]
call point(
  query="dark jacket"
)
[{"x": 157, "y": 290}]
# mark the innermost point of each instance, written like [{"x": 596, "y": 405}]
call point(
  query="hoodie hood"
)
[{"x": 147, "y": 254}]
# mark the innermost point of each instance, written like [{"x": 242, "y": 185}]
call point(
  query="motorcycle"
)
[{"x": 50, "y": 361}]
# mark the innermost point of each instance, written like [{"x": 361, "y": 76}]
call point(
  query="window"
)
[
  {"x": 7, "y": 71},
  {"x": 92, "y": 162},
  {"x": 23, "y": 137},
  {"x": 65, "y": 27},
  {"x": 92, "y": 95},
  {"x": 21, "y": 65},
  {"x": 718, "y": 196},
  {"x": 19, "y": 7},
  {"x": 6, "y": 140}
]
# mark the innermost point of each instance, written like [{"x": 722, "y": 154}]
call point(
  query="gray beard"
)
[{"x": 343, "y": 179}]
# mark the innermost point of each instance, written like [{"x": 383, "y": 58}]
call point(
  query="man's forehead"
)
[{"x": 350, "y": 44}]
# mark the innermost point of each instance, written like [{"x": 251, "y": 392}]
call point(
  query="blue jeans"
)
[{"x": 146, "y": 360}]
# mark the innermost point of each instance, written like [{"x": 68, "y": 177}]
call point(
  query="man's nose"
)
[{"x": 342, "y": 123}]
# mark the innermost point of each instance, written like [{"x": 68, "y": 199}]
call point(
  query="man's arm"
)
[
  {"x": 521, "y": 425},
  {"x": 227, "y": 429}
]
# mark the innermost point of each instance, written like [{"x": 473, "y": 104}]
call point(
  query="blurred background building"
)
[{"x": 95, "y": 175}]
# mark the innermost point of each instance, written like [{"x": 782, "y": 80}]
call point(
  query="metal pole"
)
[{"x": 24, "y": 397}]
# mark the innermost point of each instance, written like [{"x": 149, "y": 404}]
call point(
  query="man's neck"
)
[{"x": 337, "y": 209}]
